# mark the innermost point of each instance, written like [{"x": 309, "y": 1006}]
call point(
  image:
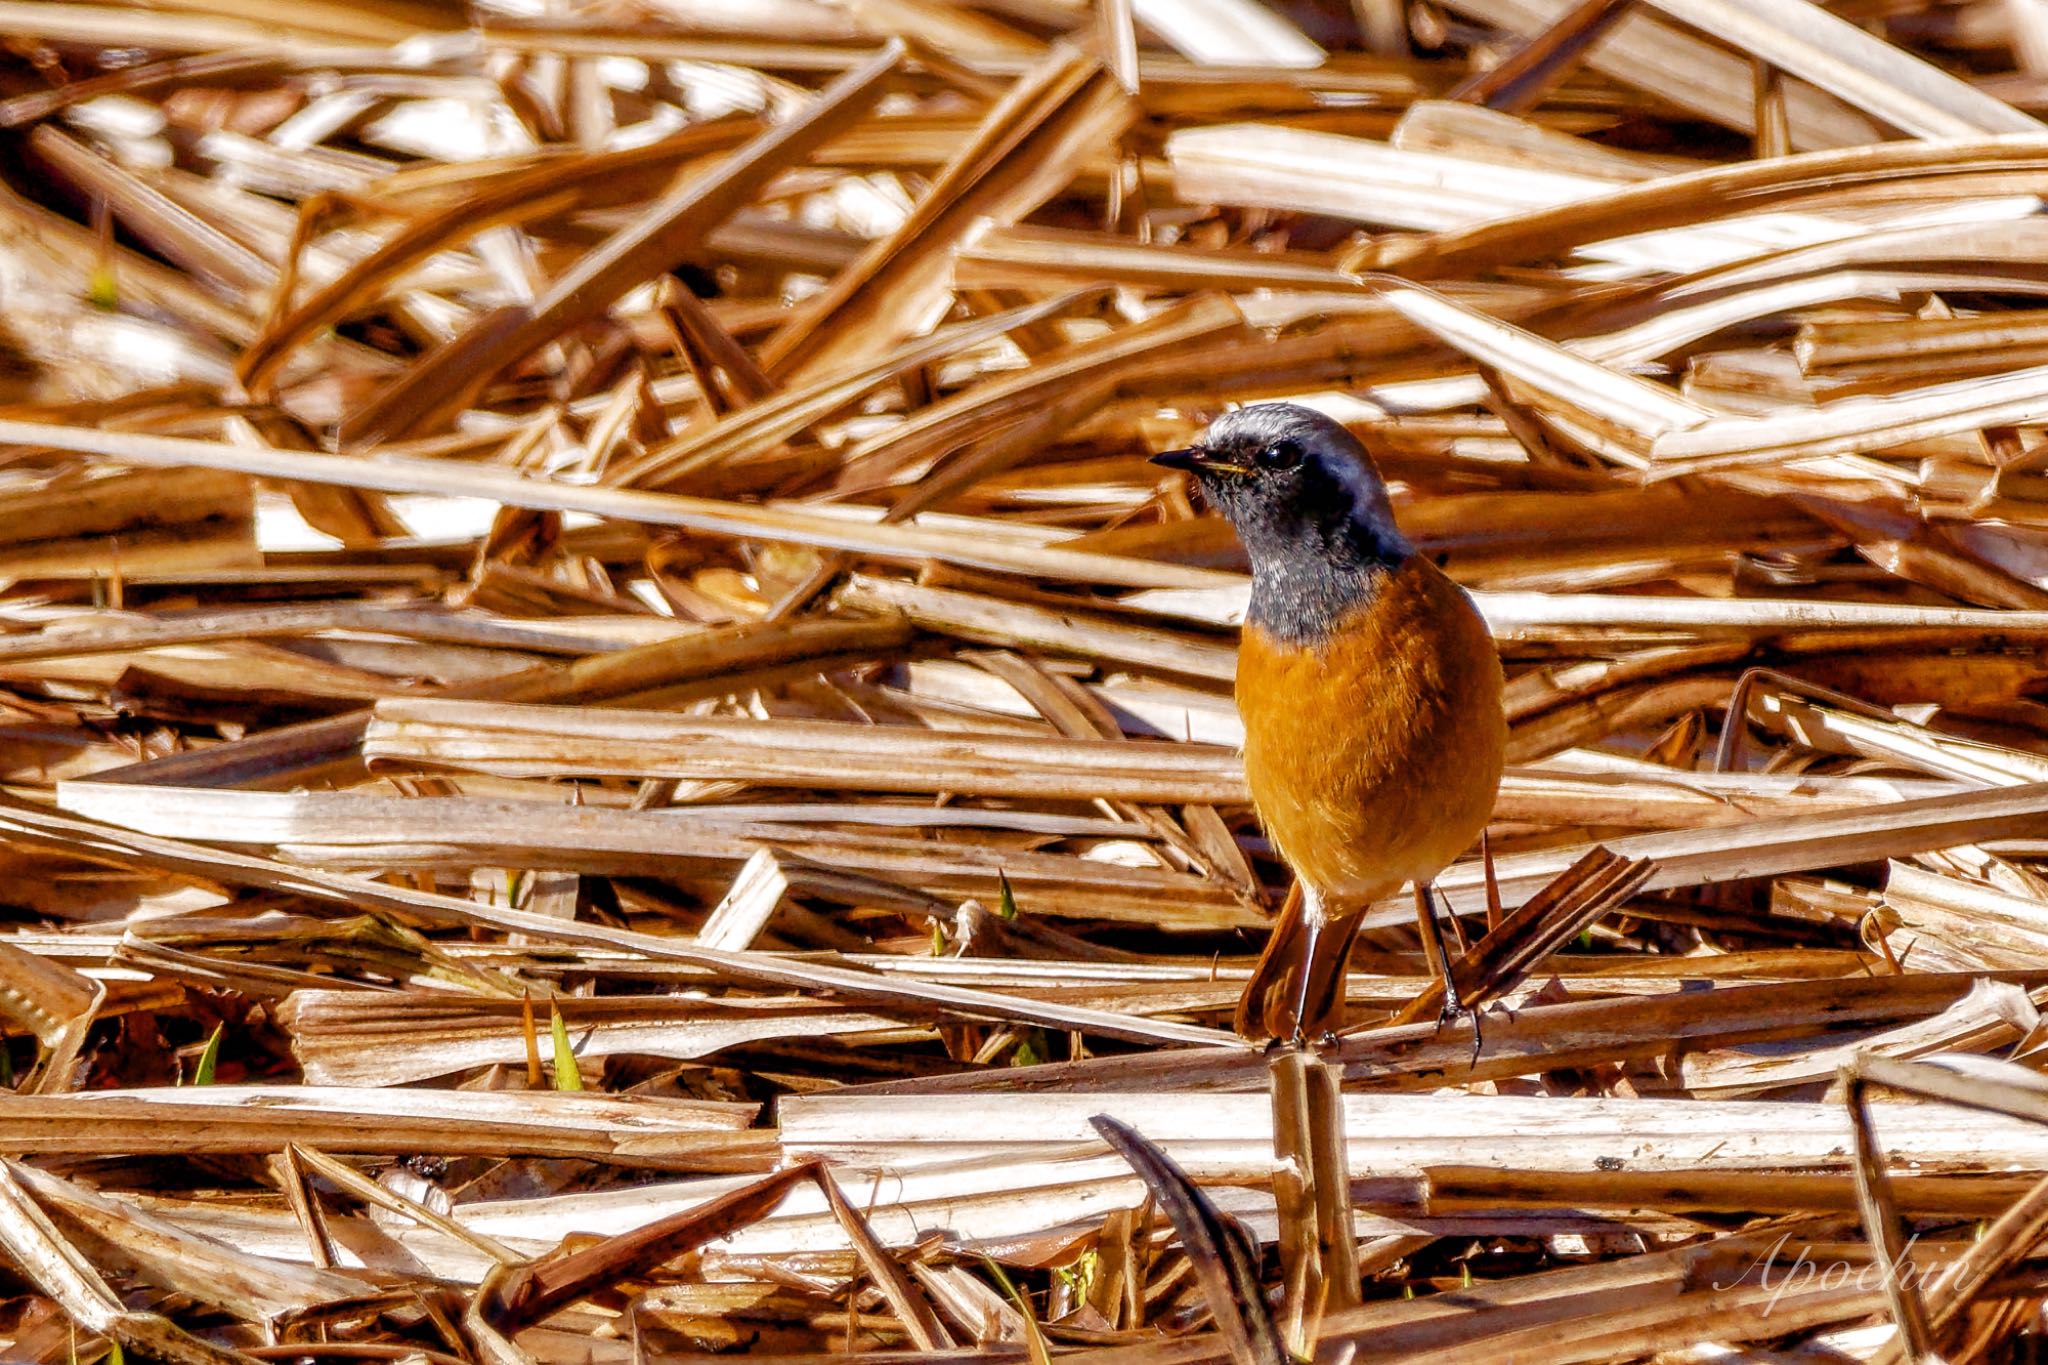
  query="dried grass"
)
[{"x": 610, "y": 751}]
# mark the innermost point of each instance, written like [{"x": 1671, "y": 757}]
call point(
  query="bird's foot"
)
[
  {"x": 1449, "y": 1012},
  {"x": 1454, "y": 1009}
]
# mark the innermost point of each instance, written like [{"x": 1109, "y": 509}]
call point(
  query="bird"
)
[{"x": 1370, "y": 689}]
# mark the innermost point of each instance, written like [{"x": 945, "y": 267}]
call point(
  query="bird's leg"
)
[
  {"x": 1312, "y": 929},
  {"x": 1494, "y": 914},
  {"x": 1440, "y": 961},
  {"x": 1433, "y": 945}
]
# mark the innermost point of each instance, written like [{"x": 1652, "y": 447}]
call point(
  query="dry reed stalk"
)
[{"x": 616, "y": 549}]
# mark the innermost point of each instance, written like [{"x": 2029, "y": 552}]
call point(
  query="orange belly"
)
[{"x": 1373, "y": 758}]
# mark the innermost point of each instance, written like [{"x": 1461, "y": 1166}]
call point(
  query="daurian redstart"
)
[{"x": 1370, "y": 690}]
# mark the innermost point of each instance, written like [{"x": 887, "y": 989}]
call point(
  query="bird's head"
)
[{"x": 1298, "y": 487}]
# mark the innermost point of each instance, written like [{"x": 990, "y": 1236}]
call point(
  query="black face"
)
[{"x": 1310, "y": 508}]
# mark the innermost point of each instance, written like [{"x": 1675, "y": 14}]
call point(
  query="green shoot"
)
[
  {"x": 209, "y": 1057},
  {"x": 1030, "y": 1050},
  {"x": 103, "y": 292},
  {"x": 567, "y": 1077}
]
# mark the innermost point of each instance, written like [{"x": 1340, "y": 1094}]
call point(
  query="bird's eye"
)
[{"x": 1280, "y": 455}]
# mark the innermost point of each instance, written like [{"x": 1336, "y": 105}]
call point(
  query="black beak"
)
[{"x": 1201, "y": 462}]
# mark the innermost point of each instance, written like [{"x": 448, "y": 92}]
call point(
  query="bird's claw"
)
[{"x": 1452, "y": 1010}]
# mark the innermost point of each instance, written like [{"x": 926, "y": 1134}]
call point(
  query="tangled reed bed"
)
[{"x": 609, "y": 749}]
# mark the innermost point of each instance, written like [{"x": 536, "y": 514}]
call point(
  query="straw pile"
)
[{"x": 609, "y": 749}]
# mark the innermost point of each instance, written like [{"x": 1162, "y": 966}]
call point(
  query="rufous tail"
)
[{"x": 1297, "y": 990}]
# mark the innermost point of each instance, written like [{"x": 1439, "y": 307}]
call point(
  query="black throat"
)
[{"x": 1300, "y": 594}]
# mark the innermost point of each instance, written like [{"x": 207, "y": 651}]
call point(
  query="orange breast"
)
[{"x": 1373, "y": 758}]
